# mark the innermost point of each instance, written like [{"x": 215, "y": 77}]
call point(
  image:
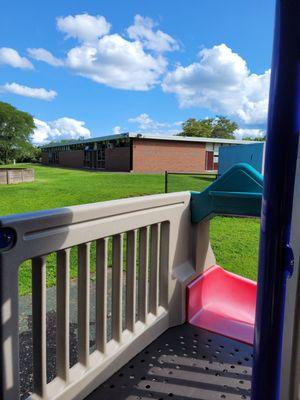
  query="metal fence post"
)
[{"x": 166, "y": 181}]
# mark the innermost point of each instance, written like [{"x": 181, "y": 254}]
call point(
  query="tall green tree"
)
[
  {"x": 196, "y": 127},
  {"x": 218, "y": 127},
  {"x": 16, "y": 128}
]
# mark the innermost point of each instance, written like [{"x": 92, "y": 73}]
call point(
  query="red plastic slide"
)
[{"x": 224, "y": 303}]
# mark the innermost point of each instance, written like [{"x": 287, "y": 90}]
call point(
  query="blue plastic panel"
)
[{"x": 252, "y": 154}]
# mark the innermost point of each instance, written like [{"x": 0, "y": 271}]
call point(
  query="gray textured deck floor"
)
[{"x": 183, "y": 363}]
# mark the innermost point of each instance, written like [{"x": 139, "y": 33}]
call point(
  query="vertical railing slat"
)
[
  {"x": 117, "y": 262},
  {"x": 62, "y": 314},
  {"x": 39, "y": 325},
  {"x": 131, "y": 279},
  {"x": 164, "y": 264},
  {"x": 101, "y": 294},
  {"x": 83, "y": 302},
  {"x": 143, "y": 275},
  {"x": 9, "y": 332},
  {"x": 154, "y": 258}
]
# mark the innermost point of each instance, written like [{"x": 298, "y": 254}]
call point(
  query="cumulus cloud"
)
[
  {"x": 26, "y": 91},
  {"x": 142, "y": 30},
  {"x": 59, "y": 129},
  {"x": 12, "y": 58},
  {"x": 45, "y": 56},
  {"x": 144, "y": 122},
  {"x": 132, "y": 62},
  {"x": 221, "y": 82},
  {"x": 249, "y": 132},
  {"x": 83, "y": 27},
  {"x": 117, "y": 62}
]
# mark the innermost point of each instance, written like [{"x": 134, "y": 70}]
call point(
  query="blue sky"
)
[{"x": 109, "y": 66}]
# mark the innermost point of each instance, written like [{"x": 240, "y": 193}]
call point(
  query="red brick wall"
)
[
  {"x": 71, "y": 158},
  {"x": 158, "y": 156},
  {"x": 117, "y": 159}
]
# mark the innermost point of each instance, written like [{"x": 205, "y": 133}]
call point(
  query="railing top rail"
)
[
  {"x": 100, "y": 209},
  {"x": 157, "y": 240},
  {"x": 34, "y": 234}
]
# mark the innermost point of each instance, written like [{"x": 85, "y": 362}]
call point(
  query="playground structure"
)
[
  {"x": 188, "y": 325},
  {"x": 171, "y": 278},
  {"x": 169, "y": 236}
]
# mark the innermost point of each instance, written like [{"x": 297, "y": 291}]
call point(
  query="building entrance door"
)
[{"x": 209, "y": 160}]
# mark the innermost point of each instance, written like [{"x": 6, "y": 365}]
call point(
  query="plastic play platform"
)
[{"x": 210, "y": 356}]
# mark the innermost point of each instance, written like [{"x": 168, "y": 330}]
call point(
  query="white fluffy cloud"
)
[
  {"x": 144, "y": 122},
  {"x": 45, "y": 56},
  {"x": 117, "y": 62},
  {"x": 84, "y": 27},
  {"x": 221, "y": 82},
  {"x": 142, "y": 30},
  {"x": 26, "y": 91},
  {"x": 59, "y": 129},
  {"x": 134, "y": 63},
  {"x": 11, "y": 57},
  {"x": 249, "y": 132}
]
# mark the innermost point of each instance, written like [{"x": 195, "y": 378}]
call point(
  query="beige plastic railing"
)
[{"x": 166, "y": 255}]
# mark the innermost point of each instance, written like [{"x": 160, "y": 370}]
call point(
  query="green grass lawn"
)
[
  {"x": 234, "y": 240},
  {"x": 235, "y": 244},
  {"x": 59, "y": 187}
]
